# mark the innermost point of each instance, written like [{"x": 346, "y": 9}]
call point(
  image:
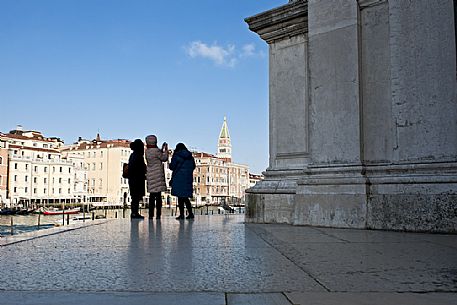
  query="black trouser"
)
[
  {"x": 155, "y": 201},
  {"x": 181, "y": 202},
  {"x": 135, "y": 204}
]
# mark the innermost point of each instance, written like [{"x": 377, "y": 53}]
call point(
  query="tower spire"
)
[{"x": 224, "y": 146}]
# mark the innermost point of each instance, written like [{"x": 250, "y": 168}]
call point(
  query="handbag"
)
[{"x": 125, "y": 170}]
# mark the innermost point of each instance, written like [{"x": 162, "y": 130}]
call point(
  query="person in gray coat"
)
[
  {"x": 182, "y": 164},
  {"x": 155, "y": 175}
]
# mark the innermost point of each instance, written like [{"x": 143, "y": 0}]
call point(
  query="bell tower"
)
[{"x": 224, "y": 146}]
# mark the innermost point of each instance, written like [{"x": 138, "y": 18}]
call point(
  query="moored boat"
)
[{"x": 60, "y": 212}]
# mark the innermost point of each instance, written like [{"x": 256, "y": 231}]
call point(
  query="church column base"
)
[
  {"x": 409, "y": 197},
  {"x": 332, "y": 197},
  {"x": 272, "y": 200},
  {"x": 413, "y": 197}
]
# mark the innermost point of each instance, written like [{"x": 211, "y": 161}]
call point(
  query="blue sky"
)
[{"x": 126, "y": 69}]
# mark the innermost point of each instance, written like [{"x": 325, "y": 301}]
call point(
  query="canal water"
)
[{"x": 29, "y": 223}]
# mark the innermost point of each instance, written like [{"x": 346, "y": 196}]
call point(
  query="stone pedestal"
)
[{"x": 363, "y": 115}]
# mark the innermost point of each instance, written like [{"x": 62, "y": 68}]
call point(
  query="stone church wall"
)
[{"x": 363, "y": 115}]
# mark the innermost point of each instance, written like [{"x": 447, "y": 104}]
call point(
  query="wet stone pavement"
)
[{"x": 221, "y": 260}]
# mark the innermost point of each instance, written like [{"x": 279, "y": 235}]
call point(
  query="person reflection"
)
[
  {"x": 182, "y": 255},
  {"x": 136, "y": 255}
]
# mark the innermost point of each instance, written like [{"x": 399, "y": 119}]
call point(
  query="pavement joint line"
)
[
  {"x": 320, "y": 230},
  {"x": 289, "y": 259},
  {"x": 390, "y": 291},
  {"x": 287, "y": 298},
  {"x": 440, "y": 244},
  {"x": 56, "y": 230}
]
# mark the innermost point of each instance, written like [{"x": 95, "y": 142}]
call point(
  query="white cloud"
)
[
  {"x": 218, "y": 54},
  {"x": 221, "y": 56},
  {"x": 248, "y": 50}
]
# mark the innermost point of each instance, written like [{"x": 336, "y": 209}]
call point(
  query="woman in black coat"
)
[
  {"x": 136, "y": 176},
  {"x": 182, "y": 164}
]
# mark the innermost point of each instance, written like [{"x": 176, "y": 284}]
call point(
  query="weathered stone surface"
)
[
  {"x": 377, "y": 120},
  {"x": 273, "y": 208},
  {"x": 363, "y": 116},
  {"x": 334, "y": 82},
  {"x": 371, "y": 298},
  {"x": 288, "y": 110},
  {"x": 423, "y": 77}
]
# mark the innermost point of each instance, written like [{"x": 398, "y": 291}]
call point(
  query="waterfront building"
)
[
  {"x": 254, "y": 178},
  {"x": 44, "y": 171},
  {"x": 37, "y": 172},
  {"x": 103, "y": 161},
  {"x": 80, "y": 177},
  {"x": 3, "y": 171},
  {"x": 216, "y": 178}
]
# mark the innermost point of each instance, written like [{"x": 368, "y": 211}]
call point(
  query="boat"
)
[
  {"x": 15, "y": 211},
  {"x": 60, "y": 212},
  {"x": 81, "y": 218},
  {"x": 7, "y": 211}
]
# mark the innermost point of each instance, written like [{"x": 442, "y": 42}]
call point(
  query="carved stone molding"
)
[
  {"x": 282, "y": 22},
  {"x": 368, "y": 3}
]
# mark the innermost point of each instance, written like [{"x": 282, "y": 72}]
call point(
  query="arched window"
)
[{"x": 1, "y": 160}]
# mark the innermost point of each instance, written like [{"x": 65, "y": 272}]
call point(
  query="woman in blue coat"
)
[{"x": 182, "y": 164}]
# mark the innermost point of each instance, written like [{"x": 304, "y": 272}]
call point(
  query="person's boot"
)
[
  {"x": 189, "y": 210},
  {"x": 151, "y": 214},
  {"x": 159, "y": 213},
  {"x": 181, "y": 213}
]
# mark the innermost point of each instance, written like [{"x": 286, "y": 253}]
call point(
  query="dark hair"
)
[
  {"x": 137, "y": 145},
  {"x": 180, "y": 146}
]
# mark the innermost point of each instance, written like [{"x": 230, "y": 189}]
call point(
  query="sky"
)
[{"x": 129, "y": 68}]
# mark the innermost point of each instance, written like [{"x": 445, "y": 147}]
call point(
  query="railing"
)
[{"x": 18, "y": 224}]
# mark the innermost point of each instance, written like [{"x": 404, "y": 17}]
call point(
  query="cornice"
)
[
  {"x": 367, "y": 3},
  {"x": 282, "y": 22}
]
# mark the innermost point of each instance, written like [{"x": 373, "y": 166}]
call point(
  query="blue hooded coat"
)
[{"x": 182, "y": 164}]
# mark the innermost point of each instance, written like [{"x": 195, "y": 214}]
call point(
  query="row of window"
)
[
  {"x": 35, "y": 179},
  {"x": 93, "y": 154},
  {"x": 221, "y": 170},
  {"x": 38, "y": 156},
  {"x": 45, "y": 191},
  {"x": 45, "y": 169},
  {"x": 35, "y": 144},
  {"x": 94, "y": 166}
]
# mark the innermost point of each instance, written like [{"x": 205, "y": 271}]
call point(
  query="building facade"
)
[
  {"x": 217, "y": 180},
  {"x": 254, "y": 178},
  {"x": 103, "y": 161},
  {"x": 363, "y": 115},
  {"x": 40, "y": 171},
  {"x": 37, "y": 172},
  {"x": 3, "y": 172}
]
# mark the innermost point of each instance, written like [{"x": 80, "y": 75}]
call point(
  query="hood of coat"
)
[
  {"x": 137, "y": 146},
  {"x": 185, "y": 154}
]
